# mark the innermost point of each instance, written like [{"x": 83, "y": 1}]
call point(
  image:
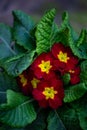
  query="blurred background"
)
[{"x": 77, "y": 10}]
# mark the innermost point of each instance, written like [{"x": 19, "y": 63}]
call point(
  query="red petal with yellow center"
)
[
  {"x": 46, "y": 89},
  {"x": 56, "y": 48},
  {"x": 43, "y": 65}
]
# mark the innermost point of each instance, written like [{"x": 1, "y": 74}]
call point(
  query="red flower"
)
[
  {"x": 74, "y": 70},
  {"x": 62, "y": 56},
  {"x": 61, "y": 53},
  {"x": 49, "y": 93},
  {"x": 27, "y": 81},
  {"x": 42, "y": 66},
  {"x": 74, "y": 75},
  {"x": 23, "y": 82}
]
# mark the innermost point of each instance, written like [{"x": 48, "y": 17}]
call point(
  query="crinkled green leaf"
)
[
  {"x": 23, "y": 24},
  {"x": 64, "y": 35},
  {"x": 79, "y": 47},
  {"x": 44, "y": 32},
  {"x": 68, "y": 37},
  {"x": 81, "y": 38},
  {"x": 5, "y": 42},
  {"x": 17, "y": 64},
  {"x": 75, "y": 92},
  {"x": 54, "y": 34},
  {"x": 6, "y": 82},
  {"x": 55, "y": 122},
  {"x": 67, "y": 29},
  {"x": 83, "y": 75},
  {"x": 21, "y": 110},
  {"x": 69, "y": 117},
  {"x": 65, "y": 19}
]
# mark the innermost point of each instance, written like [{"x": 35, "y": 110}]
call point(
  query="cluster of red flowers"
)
[{"x": 43, "y": 78}]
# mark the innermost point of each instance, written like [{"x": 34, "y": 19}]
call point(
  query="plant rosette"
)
[{"x": 43, "y": 75}]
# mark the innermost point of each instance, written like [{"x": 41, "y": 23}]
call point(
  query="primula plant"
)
[{"x": 43, "y": 74}]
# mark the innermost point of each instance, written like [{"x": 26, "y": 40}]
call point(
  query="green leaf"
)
[
  {"x": 11, "y": 98},
  {"x": 54, "y": 34},
  {"x": 21, "y": 110},
  {"x": 83, "y": 119},
  {"x": 68, "y": 37},
  {"x": 67, "y": 30},
  {"x": 9, "y": 128},
  {"x": 82, "y": 113},
  {"x": 79, "y": 48},
  {"x": 66, "y": 78},
  {"x": 69, "y": 117},
  {"x": 6, "y": 82},
  {"x": 65, "y": 19},
  {"x": 6, "y": 40},
  {"x": 44, "y": 32},
  {"x": 24, "y": 19},
  {"x": 75, "y": 92},
  {"x": 18, "y": 49},
  {"x": 17, "y": 64},
  {"x": 83, "y": 75},
  {"x": 4, "y": 51},
  {"x": 66, "y": 34},
  {"x": 81, "y": 108},
  {"x": 81, "y": 38},
  {"x": 23, "y": 24},
  {"x": 54, "y": 121},
  {"x": 40, "y": 122}
]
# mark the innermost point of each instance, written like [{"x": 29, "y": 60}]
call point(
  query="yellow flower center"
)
[
  {"x": 45, "y": 66},
  {"x": 49, "y": 92},
  {"x": 71, "y": 71},
  {"x": 63, "y": 57},
  {"x": 23, "y": 80},
  {"x": 34, "y": 82}
]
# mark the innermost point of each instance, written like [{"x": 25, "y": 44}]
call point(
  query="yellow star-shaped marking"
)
[
  {"x": 23, "y": 80},
  {"x": 34, "y": 82},
  {"x": 63, "y": 57},
  {"x": 49, "y": 92},
  {"x": 45, "y": 66}
]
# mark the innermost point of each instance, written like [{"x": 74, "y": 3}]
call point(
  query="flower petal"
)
[{"x": 37, "y": 95}]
